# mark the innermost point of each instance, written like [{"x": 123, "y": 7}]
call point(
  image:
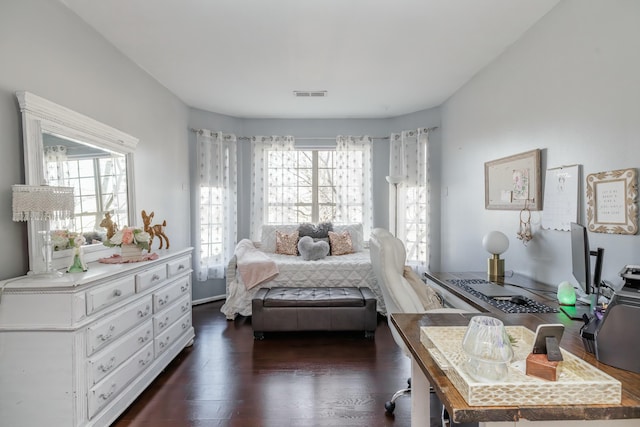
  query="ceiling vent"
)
[{"x": 310, "y": 93}]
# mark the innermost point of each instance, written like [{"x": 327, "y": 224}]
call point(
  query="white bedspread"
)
[{"x": 353, "y": 270}]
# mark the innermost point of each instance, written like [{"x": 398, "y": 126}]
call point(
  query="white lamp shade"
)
[
  {"x": 42, "y": 202},
  {"x": 393, "y": 180},
  {"x": 495, "y": 242}
]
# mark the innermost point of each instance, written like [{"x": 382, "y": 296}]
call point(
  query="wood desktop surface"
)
[{"x": 408, "y": 325}]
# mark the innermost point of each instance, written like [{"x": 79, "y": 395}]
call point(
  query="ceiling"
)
[{"x": 375, "y": 58}]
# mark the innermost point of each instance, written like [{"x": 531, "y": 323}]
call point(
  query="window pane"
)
[
  {"x": 301, "y": 187},
  {"x": 327, "y": 213},
  {"x": 305, "y": 159}
]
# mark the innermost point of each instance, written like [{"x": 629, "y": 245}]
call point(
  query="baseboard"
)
[{"x": 209, "y": 299}]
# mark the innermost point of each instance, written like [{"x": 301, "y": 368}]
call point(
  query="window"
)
[
  {"x": 216, "y": 226},
  {"x": 311, "y": 185},
  {"x": 415, "y": 226},
  {"x": 300, "y": 186},
  {"x": 409, "y": 160},
  {"x": 99, "y": 186}
]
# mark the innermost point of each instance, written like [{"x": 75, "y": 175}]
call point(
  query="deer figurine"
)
[
  {"x": 108, "y": 223},
  {"x": 156, "y": 230}
]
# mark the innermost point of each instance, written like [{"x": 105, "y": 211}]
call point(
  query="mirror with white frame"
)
[{"x": 65, "y": 148}]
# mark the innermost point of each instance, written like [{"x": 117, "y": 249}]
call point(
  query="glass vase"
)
[{"x": 487, "y": 349}]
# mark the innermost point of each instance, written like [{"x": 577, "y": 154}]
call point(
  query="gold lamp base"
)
[{"x": 495, "y": 267}]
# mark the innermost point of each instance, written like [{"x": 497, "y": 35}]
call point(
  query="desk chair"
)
[{"x": 388, "y": 261}]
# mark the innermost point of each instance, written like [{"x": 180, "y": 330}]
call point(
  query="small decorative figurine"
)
[
  {"x": 108, "y": 223},
  {"x": 154, "y": 230},
  {"x": 77, "y": 241}
]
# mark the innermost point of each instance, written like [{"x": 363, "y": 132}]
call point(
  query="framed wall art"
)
[
  {"x": 513, "y": 183},
  {"x": 612, "y": 199}
]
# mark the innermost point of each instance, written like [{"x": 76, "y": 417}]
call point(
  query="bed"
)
[{"x": 350, "y": 270}]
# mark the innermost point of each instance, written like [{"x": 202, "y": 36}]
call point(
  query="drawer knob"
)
[
  {"x": 155, "y": 277},
  {"x": 117, "y": 293},
  {"x": 107, "y": 336},
  {"x": 108, "y": 366},
  {"x": 163, "y": 301},
  {"x": 144, "y": 338},
  {"x": 144, "y": 362},
  {"x": 144, "y": 313},
  {"x": 107, "y": 395},
  {"x": 165, "y": 323},
  {"x": 184, "y": 287},
  {"x": 164, "y": 343},
  {"x": 180, "y": 267}
]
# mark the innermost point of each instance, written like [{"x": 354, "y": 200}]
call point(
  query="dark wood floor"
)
[{"x": 294, "y": 379}]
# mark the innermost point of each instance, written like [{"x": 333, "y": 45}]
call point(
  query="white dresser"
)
[{"x": 76, "y": 351}]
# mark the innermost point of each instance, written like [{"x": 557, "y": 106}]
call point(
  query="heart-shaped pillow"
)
[{"x": 312, "y": 251}]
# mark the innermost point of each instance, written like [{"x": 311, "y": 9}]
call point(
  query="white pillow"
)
[
  {"x": 355, "y": 230},
  {"x": 268, "y": 235}
]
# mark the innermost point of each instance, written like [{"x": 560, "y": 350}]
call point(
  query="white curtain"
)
[
  {"x": 56, "y": 167},
  {"x": 216, "y": 231},
  {"x": 409, "y": 163},
  {"x": 261, "y": 146},
  {"x": 353, "y": 178}
]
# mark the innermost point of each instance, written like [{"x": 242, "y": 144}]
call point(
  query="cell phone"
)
[{"x": 553, "y": 330}]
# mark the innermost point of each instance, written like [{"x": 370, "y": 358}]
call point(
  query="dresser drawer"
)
[
  {"x": 105, "y": 295},
  {"x": 172, "y": 333},
  {"x": 110, "y": 386},
  {"x": 165, "y": 318},
  {"x": 150, "y": 278},
  {"x": 108, "y": 329},
  {"x": 114, "y": 355},
  {"x": 178, "y": 266},
  {"x": 162, "y": 298}
]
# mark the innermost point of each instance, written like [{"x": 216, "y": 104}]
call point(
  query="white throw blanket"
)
[{"x": 253, "y": 265}]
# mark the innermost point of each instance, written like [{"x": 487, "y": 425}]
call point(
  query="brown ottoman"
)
[{"x": 314, "y": 309}]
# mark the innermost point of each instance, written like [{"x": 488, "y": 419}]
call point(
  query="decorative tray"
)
[{"x": 579, "y": 383}]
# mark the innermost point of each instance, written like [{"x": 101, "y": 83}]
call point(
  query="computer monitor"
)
[{"x": 581, "y": 260}]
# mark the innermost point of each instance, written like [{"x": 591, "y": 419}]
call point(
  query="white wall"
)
[
  {"x": 570, "y": 87},
  {"x": 47, "y": 50}
]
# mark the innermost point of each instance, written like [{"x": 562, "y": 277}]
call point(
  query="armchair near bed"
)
[
  {"x": 344, "y": 270},
  {"x": 402, "y": 288}
]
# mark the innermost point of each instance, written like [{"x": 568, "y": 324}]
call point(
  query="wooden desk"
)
[{"x": 425, "y": 371}]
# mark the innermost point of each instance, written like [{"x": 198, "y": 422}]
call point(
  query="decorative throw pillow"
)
[
  {"x": 287, "y": 244},
  {"x": 317, "y": 231},
  {"x": 311, "y": 250},
  {"x": 356, "y": 232},
  {"x": 340, "y": 243},
  {"x": 268, "y": 235}
]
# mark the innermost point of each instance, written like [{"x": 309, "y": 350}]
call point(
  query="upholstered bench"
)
[{"x": 314, "y": 309}]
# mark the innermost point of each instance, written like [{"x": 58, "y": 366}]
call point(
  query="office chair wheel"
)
[{"x": 389, "y": 407}]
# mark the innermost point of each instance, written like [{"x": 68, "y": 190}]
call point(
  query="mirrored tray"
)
[{"x": 579, "y": 382}]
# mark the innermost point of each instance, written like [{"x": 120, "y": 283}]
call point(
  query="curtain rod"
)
[{"x": 303, "y": 138}]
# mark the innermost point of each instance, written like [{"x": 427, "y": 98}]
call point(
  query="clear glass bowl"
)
[{"x": 487, "y": 348}]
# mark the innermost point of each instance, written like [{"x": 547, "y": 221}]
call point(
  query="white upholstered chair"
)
[{"x": 388, "y": 257}]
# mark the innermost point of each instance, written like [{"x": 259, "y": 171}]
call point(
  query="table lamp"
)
[
  {"x": 43, "y": 203},
  {"x": 495, "y": 242}
]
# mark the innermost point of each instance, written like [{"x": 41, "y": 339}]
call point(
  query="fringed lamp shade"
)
[{"x": 42, "y": 202}]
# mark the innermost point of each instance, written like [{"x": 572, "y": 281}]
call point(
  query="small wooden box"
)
[{"x": 539, "y": 366}]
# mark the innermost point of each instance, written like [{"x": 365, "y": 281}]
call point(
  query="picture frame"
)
[
  {"x": 612, "y": 198},
  {"x": 513, "y": 182}
]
